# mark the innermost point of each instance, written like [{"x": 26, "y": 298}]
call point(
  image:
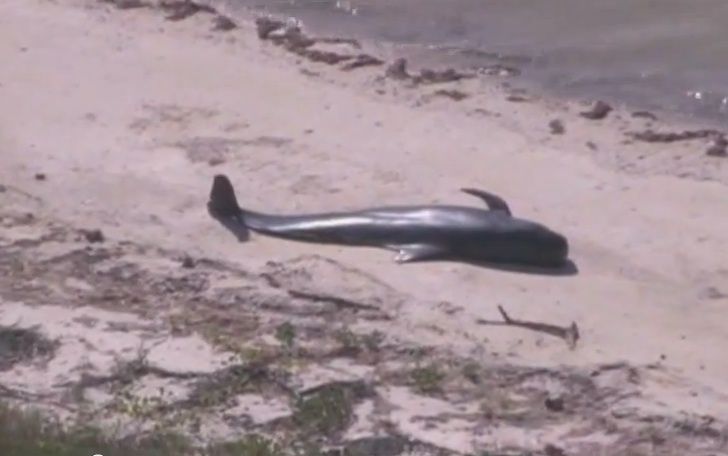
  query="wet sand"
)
[{"x": 116, "y": 120}]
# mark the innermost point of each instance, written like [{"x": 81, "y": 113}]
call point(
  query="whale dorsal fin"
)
[{"x": 494, "y": 202}]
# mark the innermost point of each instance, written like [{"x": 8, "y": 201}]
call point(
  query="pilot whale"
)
[{"x": 423, "y": 232}]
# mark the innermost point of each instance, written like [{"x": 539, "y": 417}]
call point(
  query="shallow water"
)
[{"x": 655, "y": 54}]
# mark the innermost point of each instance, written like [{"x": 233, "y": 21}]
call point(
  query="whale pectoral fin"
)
[
  {"x": 494, "y": 202},
  {"x": 416, "y": 252}
]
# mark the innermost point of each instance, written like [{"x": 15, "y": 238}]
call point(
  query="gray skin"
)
[{"x": 415, "y": 232}]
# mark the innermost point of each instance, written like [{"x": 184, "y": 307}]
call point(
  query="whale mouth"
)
[
  {"x": 562, "y": 247},
  {"x": 556, "y": 251},
  {"x": 550, "y": 250}
]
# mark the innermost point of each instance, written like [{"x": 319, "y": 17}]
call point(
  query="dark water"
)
[{"x": 656, "y": 54}]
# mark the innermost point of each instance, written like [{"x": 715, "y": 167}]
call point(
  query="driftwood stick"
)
[{"x": 569, "y": 334}]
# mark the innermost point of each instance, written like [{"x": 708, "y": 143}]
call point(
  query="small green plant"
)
[
  {"x": 217, "y": 388},
  {"x": 373, "y": 340},
  {"x": 138, "y": 407},
  {"x": 427, "y": 380},
  {"x": 349, "y": 342},
  {"x": 286, "y": 334},
  {"x": 25, "y": 432},
  {"x": 252, "y": 445},
  {"x": 306, "y": 449},
  {"x": 326, "y": 412},
  {"x": 471, "y": 371},
  {"x": 501, "y": 406},
  {"x": 247, "y": 355}
]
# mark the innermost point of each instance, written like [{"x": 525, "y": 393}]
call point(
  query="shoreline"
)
[
  {"x": 445, "y": 56},
  {"x": 124, "y": 134}
]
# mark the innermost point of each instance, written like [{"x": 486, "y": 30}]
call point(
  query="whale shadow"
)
[{"x": 565, "y": 269}]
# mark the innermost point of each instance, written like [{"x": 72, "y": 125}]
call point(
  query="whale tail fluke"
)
[
  {"x": 223, "y": 206},
  {"x": 223, "y": 202}
]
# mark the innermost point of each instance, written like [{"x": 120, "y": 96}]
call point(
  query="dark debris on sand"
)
[
  {"x": 328, "y": 57},
  {"x": 644, "y": 115},
  {"x": 224, "y": 24},
  {"x": 293, "y": 39},
  {"x": 517, "y": 99},
  {"x": 127, "y": 4},
  {"x": 362, "y": 60},
  {"x": 452, "y": 94},
  {"x": 718, "y": 147},
  {"x": 188, "y": 262},
  {"x": 182, "y": 9},
  {"x": 397, "y": 70},
  {"x": 20, "y": 345},
  {"x": 652, "y": 136},
  {"x": 557, "y": 127},
  {"x": 429, "y": 76},
  {"x": 498, "y": 70},
  {"x": 349, "y": 41},
  {"x": 598, "y": 111},
  {"x": 93, "y": 236},
  {"x": 266, "y": 25}
]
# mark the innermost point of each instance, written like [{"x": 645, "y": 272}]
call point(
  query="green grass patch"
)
[
  {"x": 18, "y": 345},
  {"x": 325, "y": 412},
  {"x": 286, "y": 335},
  {"x": 427, "y": 380},
  {"x": 25, "y": 432}
]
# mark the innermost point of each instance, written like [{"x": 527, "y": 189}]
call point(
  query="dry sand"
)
[{"x": 127, "y": 116}]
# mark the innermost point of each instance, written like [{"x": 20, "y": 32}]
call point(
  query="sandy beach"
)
[{"x": 117, "y": 119}]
